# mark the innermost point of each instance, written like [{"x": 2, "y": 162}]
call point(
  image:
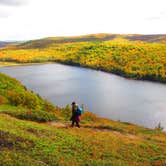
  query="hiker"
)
[{"x": 76, "y": 114}]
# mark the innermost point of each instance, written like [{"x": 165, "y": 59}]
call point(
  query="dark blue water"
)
[{"x": 106, "y": 95}]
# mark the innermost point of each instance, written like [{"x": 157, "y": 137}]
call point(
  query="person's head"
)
[{"x": 73, "y": 103}]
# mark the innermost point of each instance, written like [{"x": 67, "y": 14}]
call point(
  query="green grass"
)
[{"x": 30, "y": 143}]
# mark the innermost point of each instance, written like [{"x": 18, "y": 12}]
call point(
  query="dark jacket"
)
[{"x": 74, "y": 115}]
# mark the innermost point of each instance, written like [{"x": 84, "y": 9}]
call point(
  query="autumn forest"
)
[{"x": 135, "y": 58}]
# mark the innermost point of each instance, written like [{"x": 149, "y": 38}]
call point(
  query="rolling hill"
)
[
  {"x": 45, "y": 42},
  {"x": 3, "y": 44}
]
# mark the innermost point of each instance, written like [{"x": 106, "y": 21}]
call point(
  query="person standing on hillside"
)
[{"x": 76, "y": 115}]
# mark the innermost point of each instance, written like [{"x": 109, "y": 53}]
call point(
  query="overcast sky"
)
[{"x": 30, "y": 19}]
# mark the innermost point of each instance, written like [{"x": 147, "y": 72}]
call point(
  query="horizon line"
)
[{"x": 81, "y": 35}]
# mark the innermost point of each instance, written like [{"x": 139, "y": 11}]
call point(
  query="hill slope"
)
[
  {"x": 99, "y": 141},
  {"x": 45, "y": 42},
  {"x": 4, "y": 44},
  {"x": 29, "y": 143},
  {"x": 30, "y": 105}
]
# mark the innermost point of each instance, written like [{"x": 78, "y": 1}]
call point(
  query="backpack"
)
[{"x": 79, "y": 110}]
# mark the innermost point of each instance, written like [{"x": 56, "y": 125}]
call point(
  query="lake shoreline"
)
[
  {"x": 107, "y": 88},
  {"x": 12, "y": 64},
  {"x": 117, "y": 73}
]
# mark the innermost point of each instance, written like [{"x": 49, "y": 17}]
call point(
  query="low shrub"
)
[
  {"x": 3, "y": 100},
  {"x": 33, "y": 115},
  {"x": 49, "y": 107},
  {"x": 25, "y": 98}
]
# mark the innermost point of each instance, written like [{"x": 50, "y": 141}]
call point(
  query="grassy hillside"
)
[
  {"x": 31, "y": 106},
  {"x": 29, "y": 143},
  {"x": 99, "y": 141},
  {"x": 131, "y": 59}
]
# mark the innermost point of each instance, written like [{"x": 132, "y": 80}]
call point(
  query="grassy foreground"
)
[
  {"x": 30, "y": 143},
  {"x": 129, "y": 56}
]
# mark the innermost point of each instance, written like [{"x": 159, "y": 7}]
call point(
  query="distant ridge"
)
[
  {"x": 159, "y": 38},
  {"x": 45, "y": 42},
  {"x": 4, "y": 44}
]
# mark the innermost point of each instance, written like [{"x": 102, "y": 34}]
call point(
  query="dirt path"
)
[
  {"x": 118, "y": 133},
  {"x": 57, "y": 124},
  {"x": 63, "y": 125}
]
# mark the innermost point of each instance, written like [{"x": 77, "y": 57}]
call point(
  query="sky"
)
[{"x": 31, "y": 19}]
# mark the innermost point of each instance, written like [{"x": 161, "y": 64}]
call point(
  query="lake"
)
[{"x": 107, "y": 95}]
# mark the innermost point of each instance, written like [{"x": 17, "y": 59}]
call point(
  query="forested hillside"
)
[{"x": 133, "y": 59}]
